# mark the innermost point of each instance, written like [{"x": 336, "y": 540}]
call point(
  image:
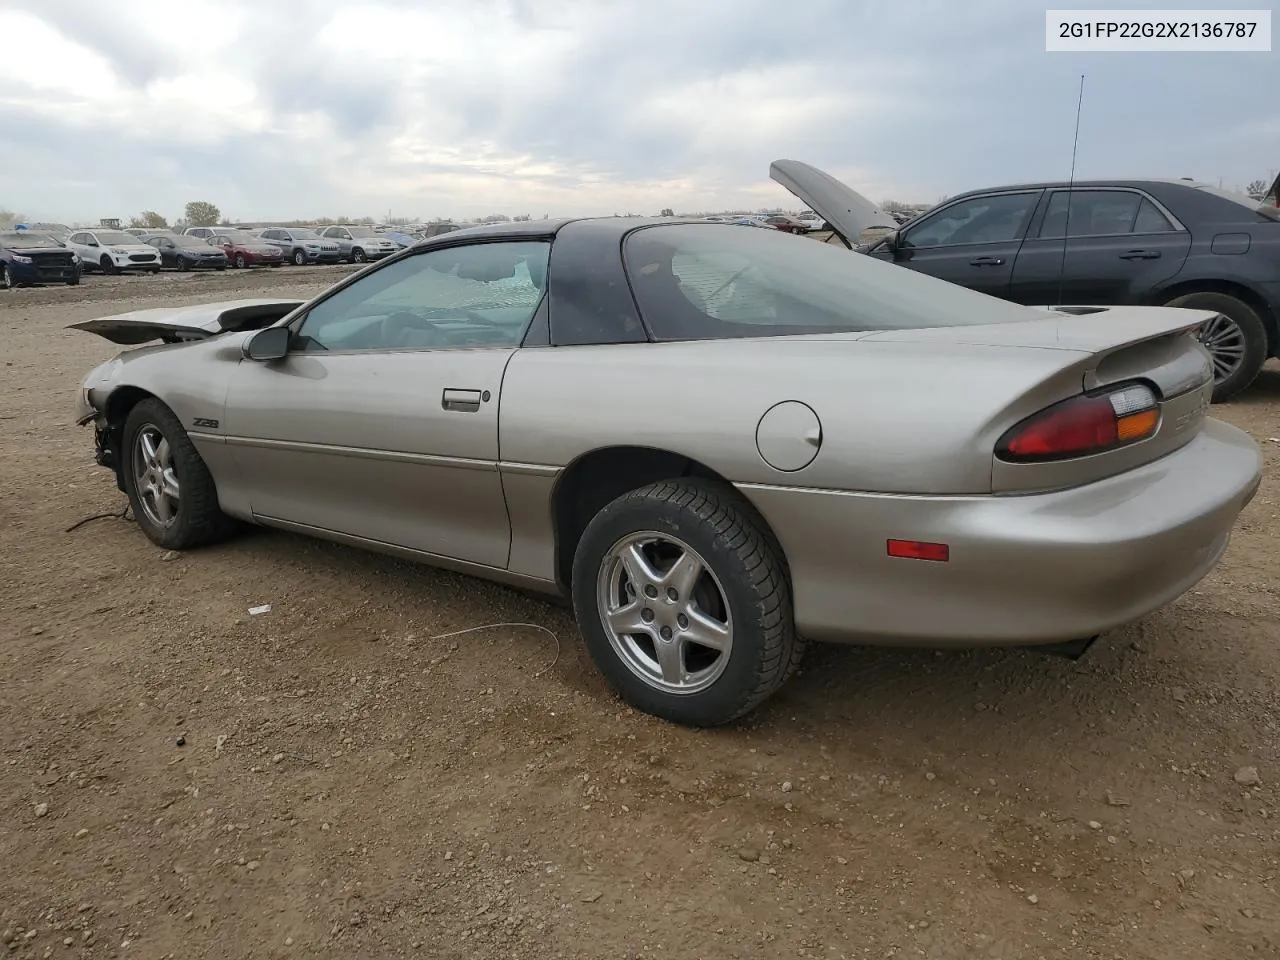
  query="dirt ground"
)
[{"x": 334, "y": 779}]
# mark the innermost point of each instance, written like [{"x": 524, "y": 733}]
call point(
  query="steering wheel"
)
[{"x": 394, "y": 326}]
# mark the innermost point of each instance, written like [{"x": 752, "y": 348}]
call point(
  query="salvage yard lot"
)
[{"x": 353, "y": 784}]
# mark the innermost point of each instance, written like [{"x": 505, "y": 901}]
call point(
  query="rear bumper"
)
[{"x": 1040, "y": 568}]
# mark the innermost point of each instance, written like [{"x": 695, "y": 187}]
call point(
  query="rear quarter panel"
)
[{"x": 896, "y": 417}]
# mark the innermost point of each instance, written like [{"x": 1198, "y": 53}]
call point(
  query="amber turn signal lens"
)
[{"x": 1136, "y": 426}]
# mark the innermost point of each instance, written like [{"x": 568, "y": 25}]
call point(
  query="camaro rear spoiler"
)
[{"x": 198, "y": 322}]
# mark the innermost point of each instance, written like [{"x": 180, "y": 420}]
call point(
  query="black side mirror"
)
[{"x": 269, "y": 344}]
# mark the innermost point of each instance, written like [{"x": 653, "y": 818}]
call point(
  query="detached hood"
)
[
  {"x": 848, "y": 211},
  {"x": 197, "y": 322}
]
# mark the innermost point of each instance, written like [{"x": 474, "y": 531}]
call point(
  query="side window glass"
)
[
  {"x": 991, "y": 219},
  {"x": 480, "y": 295},
  {"x": 1093, "y": 213},
  {"x": 1151, "y": 220}
]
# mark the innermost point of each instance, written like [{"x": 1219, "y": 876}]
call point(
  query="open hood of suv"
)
[{"x": 847, "y": 211}]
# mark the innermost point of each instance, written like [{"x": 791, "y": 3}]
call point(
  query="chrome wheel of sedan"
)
[
  {"x": 1224, "y": 340},
  {"x": 665, "y": 613},
  {"x": 154, "y": 476}
]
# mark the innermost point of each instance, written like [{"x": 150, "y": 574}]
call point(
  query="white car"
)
[{"x": 112, "y": 251}]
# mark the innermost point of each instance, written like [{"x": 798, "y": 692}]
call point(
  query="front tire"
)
[
  {"x": 6, "y": 278},
  {"x": 240, "y": 262},
  {"x": 183, "y": 265},
  {"x": 108, "y": 267},
  {"x": 299, "y": 258},
  {"x": 74, "y": 281},
  {"x": 684, "y": 603},
  {"x": 169, "y": 487},
  {"x": 1237, "y": 340},
  {"x": 359, "y": 256}
]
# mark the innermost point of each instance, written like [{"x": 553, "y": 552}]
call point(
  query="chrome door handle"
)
[{"x": 461, "y": 401}]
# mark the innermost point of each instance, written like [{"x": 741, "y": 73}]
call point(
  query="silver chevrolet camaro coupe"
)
[{"x": 718, "y": 443}]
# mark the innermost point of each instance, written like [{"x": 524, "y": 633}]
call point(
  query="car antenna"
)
[{"x": 1066, "y": 226}]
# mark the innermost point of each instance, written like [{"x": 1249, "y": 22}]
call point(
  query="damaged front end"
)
[{"x": 91, "y": 410}]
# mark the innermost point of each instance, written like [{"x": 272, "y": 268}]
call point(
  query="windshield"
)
[
  {"x": 303, "y": 234},
  {"x": 363, "y": 232},
  {"x": 237, "y": 236},
  {"x": 114, "y": 236},
  {"x": 710, "y": 282},
  {"x": 196, "y": 242},
  {"x": 27, "y": 240}
]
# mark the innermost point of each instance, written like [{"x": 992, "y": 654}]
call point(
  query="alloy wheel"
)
[
  {"x": 154, "y": 476},
  {"x": 1224, "y": 340},
  {"x": 664, "y": 612}
]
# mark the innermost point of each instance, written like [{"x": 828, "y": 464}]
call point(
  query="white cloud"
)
[{"x": 466, "y": 107}]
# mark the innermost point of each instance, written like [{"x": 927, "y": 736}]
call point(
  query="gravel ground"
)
[{"x": 335, "y": 779}]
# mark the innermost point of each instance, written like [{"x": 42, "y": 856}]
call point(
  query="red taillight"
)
[{"x": 1083, "y": 425}]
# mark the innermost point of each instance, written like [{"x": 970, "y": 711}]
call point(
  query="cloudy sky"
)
[{"x": 468, "y": 107}]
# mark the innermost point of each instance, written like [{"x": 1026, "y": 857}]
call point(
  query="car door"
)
[
  {"x": 381, "y": 422},
  {"x": 338, "y": 236},
  {"x": 1120, "y": 244},
  {"x": 972, "y": 242}
]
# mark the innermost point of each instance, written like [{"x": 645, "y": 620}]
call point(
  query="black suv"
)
[{"x": 1176, "y": 243}]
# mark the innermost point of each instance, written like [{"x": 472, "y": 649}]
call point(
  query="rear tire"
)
[
  {"x": 1247, "y": 341},
  {"x": 742, "y": 599},
  {"x": 192, "y": 518}
]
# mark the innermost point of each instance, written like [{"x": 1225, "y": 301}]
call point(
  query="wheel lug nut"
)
[
  {"x": 672, "y": 594},
  {"x": 683, "y": 621},
  {"x": 646, "y": 615},
  {"x": 666, "y": 633},
  {"x": 650, "y": 591}
]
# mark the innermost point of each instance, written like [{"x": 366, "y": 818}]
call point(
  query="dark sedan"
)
[
  {"x": 187, "y": 253},
  {"x": 29, "y": 258},
  {"x": 1177, "y": 243}
]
